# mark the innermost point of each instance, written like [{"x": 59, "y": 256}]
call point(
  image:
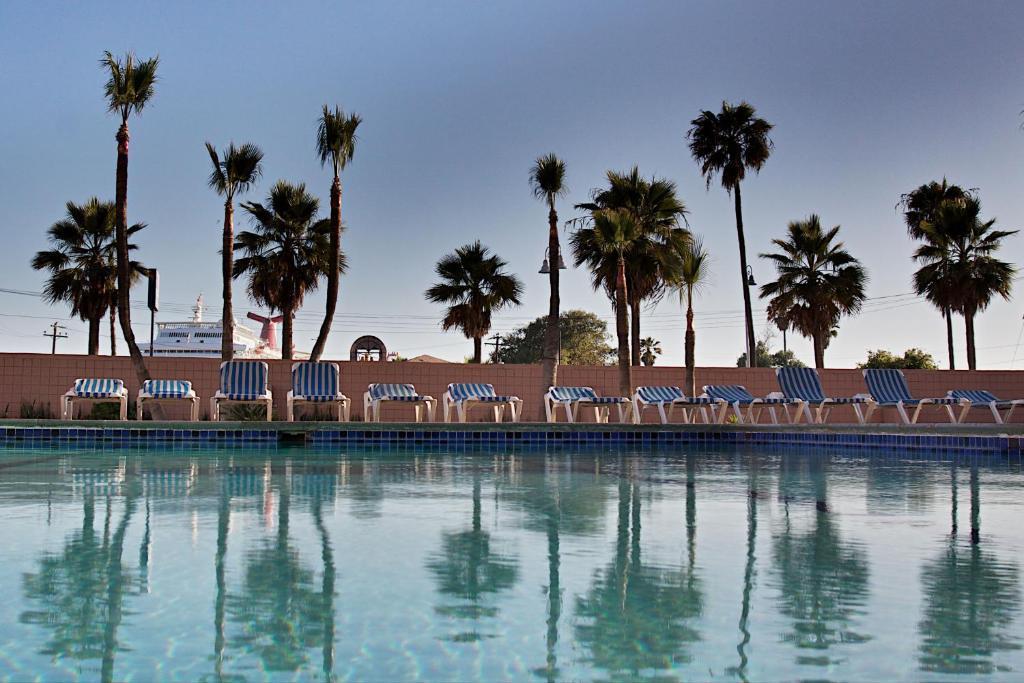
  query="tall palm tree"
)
[
  {"x": 473, "y": 284},
  {"x": 128, "y": 90},
  {"x": 335, "y": 143},
  {"x": 286, "y": 254},
  {"x": 727, "y": 144},
  {"x": 693, "y": 276},
  {"x": 240, "y": 168},
  {"x": 547, "y": 179},
  {"x": 920, "y": 205},
  {"x": 818, "y": 282},
  {"x": 83, "y": 263},
  {"x": 958, "y": 257},
  {"x": 652, "y": 261},
  {"x": 612, "y": 233}
]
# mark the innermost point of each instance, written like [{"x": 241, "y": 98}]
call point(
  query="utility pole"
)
[
  {"x": 55, "y": 335},
  {"x": 495, "y": 341}
]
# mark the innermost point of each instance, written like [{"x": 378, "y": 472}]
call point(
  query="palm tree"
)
[
  {"x": 727, "y": 144},
  {"x": 919, "y": 206},
  {"x": 128, "y": 90},
  {"x": 818, "y": 282},
  {"x": 650, "y": 349},
  {"x": 240, "y": 168},
  {"x": 958, "y": 258},
  {"x": 693, "y": 276},
  {"x": 83, "y": 263},
  {"x": 547, "y": 179},
  {"x": 287, "y": 253},
  {"x": 473, "y": 284},
  {"x": 612, "y": 233},
  {"x": 336, "y": 143},
  {"x": 652, "y": 261}
]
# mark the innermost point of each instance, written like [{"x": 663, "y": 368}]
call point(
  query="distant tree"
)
[
  {"x": 818, "y": 282},
  {"x": 693, "y": 276},
  {"x": 920, "y": 207},
  {"x": 474, "y": 284},
  {"x": 766, "y": 358},
  {"x": 650, "y": 349},
  {"x": 236, "y": 172},
  {"x": 547, "y": 180},
  {"x": 82, "y": 263},
  {"x": 913, "y": 359},
  {"x": 959, "y": 252},
  {"x": 584, "y": 341},
  {"x": 336, "y": 144},
  {"x": 286, "y": 254},
  {"x": 728, "y": 144}
]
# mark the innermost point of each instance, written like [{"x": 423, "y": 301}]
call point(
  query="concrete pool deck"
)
[{"x": 954, "y": 438}]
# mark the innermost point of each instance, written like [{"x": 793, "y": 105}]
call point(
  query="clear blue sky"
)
[{"x": 868, "y": 99}]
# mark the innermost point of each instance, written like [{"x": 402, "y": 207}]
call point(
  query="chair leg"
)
[
  {"x": 661, "y": 412},
  {"x": 138, "y": 410},
  {"x": 290, "y": 411},
  {"x": 270, "y": 408},
  {"x": 195, "y": 409},
  {"x": 124, "y": 407}
]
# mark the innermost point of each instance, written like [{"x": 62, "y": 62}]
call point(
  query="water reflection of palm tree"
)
[
  {"x": 81, "y": 591},
  {"x": 971, "y": 602},
  {"x": 822, "y": 580},
  {"x": 635, "y": 617},
  {"x": 278, "y": 609},
  {"x": 326, "y": 588},
  {"x": 469, "y": 571},
  {"x": 220, "y": 600}
]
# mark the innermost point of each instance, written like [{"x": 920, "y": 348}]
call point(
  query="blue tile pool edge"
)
[{"x": 520, "y": 438}]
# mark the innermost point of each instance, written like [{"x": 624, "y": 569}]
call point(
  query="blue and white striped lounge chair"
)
[
  {"x": 672, "y": 397},
  {"x": 317, "y": 383},
  {"x": 242, "y": 382},
  {"x": 737, "y": 398},
  {"x": 167, "y": 391},
  {"x": 889, "y": 389},
  {"x": 93, "y": 391},
  {"x": 573, "y": 398},
  {"x": 803, "y": 386},
  {"x": 376, "y": 394},
  {"x": 979, "y": 398},
  {"x": 463, "y": 396}
]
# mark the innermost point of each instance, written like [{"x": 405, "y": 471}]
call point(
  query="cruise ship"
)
[{"x": 197, "y": 338}]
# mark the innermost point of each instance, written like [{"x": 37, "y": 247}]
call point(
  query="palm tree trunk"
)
[
  {"x": 326, "y": 591},
  {"x": 949, "y": 337},
  {"x": 748, "y": 316},
  {"x": 634, "y": 332},
  {"x": 819, "y": 351},
  {"x": 227, "y": 264},
  {"x": 691, "y": 343},
  {"x": 286, "y": 331},
  {"x": 219, "y": 570},
  {"x": 94, "y": 336},
  {"x": 124, "y": 281},
  {"x": 552, "y": 334},
  {"x": 478, "y": 344},
  {"x": 554, "y": 596},
  {"x": 622, "y": 330},
  {"x": 113, "y": 324},
  {"x": 332, "y": 273},
  {"x": 972, "y": 361}
]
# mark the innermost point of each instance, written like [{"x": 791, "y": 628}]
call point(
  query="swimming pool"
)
[{"x": 276, "y": 563}]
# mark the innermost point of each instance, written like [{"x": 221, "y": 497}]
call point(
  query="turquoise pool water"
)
[{"x": 294, "y": 564}]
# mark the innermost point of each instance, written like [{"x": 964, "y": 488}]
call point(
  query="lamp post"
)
[
  {"x": 749, "y": 324},
  {"x": 545, "y": 269}
]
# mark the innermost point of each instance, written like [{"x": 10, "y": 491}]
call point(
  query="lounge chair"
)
[
  {"x": 573, "y": 398},
  {"x": 803, "y": 386},
  {"x": 167, "y": 391},
  {"x": 242, "y": 382},
  {"x": 93, "y": 391},
  {"x": 376, "y": 394},
  {"x": 889, "y": 389},
  {"x": 463, "y": 396},
  {"x": 671, "y": 397},
  {"x": 979, "y": 398},
  {"x": 316, "y": 383},
  {"x": 737, "y": 397}
]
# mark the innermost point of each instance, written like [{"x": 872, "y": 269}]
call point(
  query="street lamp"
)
[
  {"x": 750, "y": 277},
  {"x": 545, "y": 267}
]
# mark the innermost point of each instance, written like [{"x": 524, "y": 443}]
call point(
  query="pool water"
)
[{"x": 297, "y": 564}]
